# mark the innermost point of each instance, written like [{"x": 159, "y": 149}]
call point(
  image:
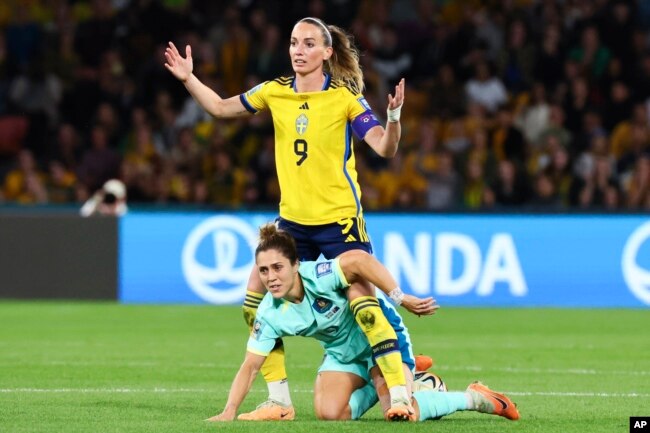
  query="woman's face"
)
[
  {"x": 307, "y": 48},
  {"x": 277, "y": 272}
]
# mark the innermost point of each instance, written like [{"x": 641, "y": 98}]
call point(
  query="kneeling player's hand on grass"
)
[{"x": 420, "y": 306}]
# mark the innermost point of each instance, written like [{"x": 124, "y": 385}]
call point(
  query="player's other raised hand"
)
[
  {"x": 420, "y": 306},
  {"x": 181, "y": 67},
  {"x": 397, "y": 100}
]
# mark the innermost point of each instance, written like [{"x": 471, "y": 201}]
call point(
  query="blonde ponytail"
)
[{"x": 344, "y": 63}]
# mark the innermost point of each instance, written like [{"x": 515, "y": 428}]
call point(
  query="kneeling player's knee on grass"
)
[
  {"x": 332, "y": 414},
  {"x": 331, "y": 409}
]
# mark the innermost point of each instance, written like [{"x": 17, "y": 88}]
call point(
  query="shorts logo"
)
[
  {"x": 321, "y": 305},
  {"x": 323, "y": 269},
  {"x": 364, "y": 103},
  {"x": 301, "y": 124},
  {"x": 636, "y": 276},
  {"x": 217, "y": 259}
]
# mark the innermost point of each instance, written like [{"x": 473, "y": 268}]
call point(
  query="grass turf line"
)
[{"x": 104, "y": 367}]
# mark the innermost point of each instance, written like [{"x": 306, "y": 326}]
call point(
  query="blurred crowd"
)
[{"x": 540, "y": 105}]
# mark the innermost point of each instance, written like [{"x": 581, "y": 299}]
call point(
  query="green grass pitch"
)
[{"x": 103, "y": 367}]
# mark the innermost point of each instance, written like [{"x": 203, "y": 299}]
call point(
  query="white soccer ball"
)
[{"x": 425, "y": 381}]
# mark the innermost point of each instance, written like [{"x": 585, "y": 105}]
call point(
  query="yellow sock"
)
[
  {"x": 251, "y": 302},
  {"x": 273, "y": 368},
  {"x": 382, "y": 338}
]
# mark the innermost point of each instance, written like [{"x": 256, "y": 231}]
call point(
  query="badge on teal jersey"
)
[
  {"x": 323, "y": 269},
  {"x": 321, "y": 305},
  {"x": 257, "y": 329}
]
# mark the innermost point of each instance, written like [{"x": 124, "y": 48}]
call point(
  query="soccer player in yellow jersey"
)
[{"x": 315, "y": 113}]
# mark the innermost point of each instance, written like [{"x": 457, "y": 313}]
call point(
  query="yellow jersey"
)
[{"x": 314, "y": 153}]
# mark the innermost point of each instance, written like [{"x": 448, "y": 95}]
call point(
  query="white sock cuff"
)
[{"x": 279, "y": 391}]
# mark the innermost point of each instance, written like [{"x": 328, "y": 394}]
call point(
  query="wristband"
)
[
  {"x": 397, "y": 296},
  {"x": 393, "y": 115}
]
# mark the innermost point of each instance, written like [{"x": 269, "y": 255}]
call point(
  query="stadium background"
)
[
  {"x": 513, "y": 108},
  {"x": 526, "y": 187},
  {"x": 536, "y": 105}
]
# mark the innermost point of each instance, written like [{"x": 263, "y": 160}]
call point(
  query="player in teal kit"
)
[
  {"x": 309, "y": 299},
  {"x": 323, "y": 315}
]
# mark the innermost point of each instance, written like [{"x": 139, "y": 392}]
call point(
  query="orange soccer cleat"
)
[
  {"x": 488, "y": 401},
  {"x": 270, "y": 410},
  {"x": 423, "y": 362}
]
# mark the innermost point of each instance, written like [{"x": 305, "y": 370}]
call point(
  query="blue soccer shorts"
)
[{"x": 330, "y": 240}]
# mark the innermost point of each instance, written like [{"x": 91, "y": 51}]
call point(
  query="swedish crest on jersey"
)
[{"x": 301, "y": 124}]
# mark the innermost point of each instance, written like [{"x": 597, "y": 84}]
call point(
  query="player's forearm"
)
[
  {"x": 390, "y": 140},
  {"x": 241, "y": 385},
  {"x": 205, "y": 96},
  {"x": 361, "y": 265},
  {"x": 378, "y": 275}
]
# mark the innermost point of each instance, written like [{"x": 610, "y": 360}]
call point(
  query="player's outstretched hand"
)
[
  {"x": 420, "y": 306},
  {"x": 181, "y": 67},
  {"x": 223, "y": 416},
  {"x": 397, "y": 100}
]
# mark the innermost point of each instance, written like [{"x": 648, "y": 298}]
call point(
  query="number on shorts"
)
[{"x": 348, "y": 223}]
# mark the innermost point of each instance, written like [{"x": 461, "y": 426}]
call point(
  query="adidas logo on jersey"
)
[
  {"x": 350, "y": 238},
  {"x": 304, "y": 106}
]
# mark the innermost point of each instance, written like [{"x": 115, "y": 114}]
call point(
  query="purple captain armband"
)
[{"x": 363, "y": 123}]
